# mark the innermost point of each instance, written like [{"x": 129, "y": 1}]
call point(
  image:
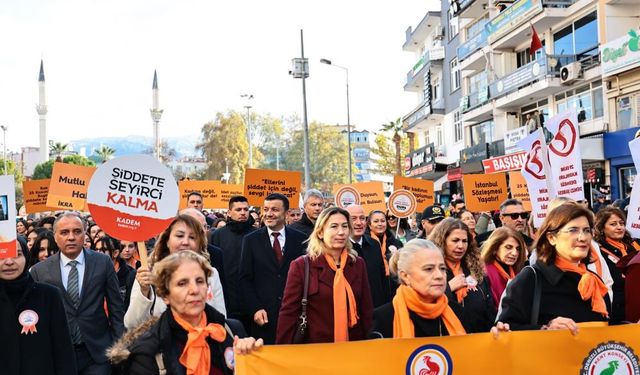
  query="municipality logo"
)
[
  {"x": 429, "y": 360},
  {"x": 611, "y": 358}
]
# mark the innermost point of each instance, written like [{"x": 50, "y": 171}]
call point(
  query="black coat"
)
[
  {"x": 126, "y": 276},
  {"x": 263, "y": 280},
  {"x": 383, "y": 322},
  {"x": 378, "y": 281},
  {"x": 303, "y": 225},
  {"x": 478, "y": 309},
  {"x": 560, "y": 297},
  {"x": 229, "y": 239},
  {"x": 216, "y": 259},
  {"x": 47, "y": 351},
  {"x": 618, "y": 303}
]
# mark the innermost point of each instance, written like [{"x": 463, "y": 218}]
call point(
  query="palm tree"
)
[
  {"x": 105, "y": 153},
  {"x": 396, "y": 128},
  {"x": 57, "y": 149}
]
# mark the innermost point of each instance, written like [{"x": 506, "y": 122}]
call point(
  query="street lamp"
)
[
  {"x": 301, "y": 70},
  {"x": 4, "y": 143},
  {"x": 248, "y": 107},
  {"x": 328, "y": 62}
]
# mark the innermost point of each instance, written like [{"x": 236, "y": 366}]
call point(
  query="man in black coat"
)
[
  {"x": 266, "y": 256},
  {"x": 512, "y": 215},
  {"x": 313, "y": 204},
  {"x": 229, "y": 239},
  {"x": 369, "y": 250}
]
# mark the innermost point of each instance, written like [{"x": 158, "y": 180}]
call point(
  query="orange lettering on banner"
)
[
  {"x": 421, "y": 189},
  {"x": 35, "y": 196},
  {"x": 371, "y": 195},
  {"x": 258, "y": 183},
  {"x": 519, "y": 190},
  {"x": 68, "y": 186},
  {"x": 209, "y": 189},
  {"x": 484, "y": 192}
]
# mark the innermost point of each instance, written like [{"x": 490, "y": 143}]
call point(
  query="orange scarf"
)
[
  {"x": 590, "y": 285},
  {"x": 457, "y": 270},
  {"x": 622, "y": 248},
  {"x": 383, "y": 249},
  {"x": 408, "y": 299},
  {"x": 345, "y": 311},
  {"x": 196, "y": 356},
  {"x": 502, "y": 272}
]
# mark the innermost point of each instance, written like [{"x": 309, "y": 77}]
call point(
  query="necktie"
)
[
  {"x": 74, "y": 292},
  {"x": 277, "y": 249}
]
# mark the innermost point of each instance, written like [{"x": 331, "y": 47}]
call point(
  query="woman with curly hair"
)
[{"x": 465, "y": 273}]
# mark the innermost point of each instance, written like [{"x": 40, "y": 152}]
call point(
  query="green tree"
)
[
  {"x": 224, "y": 145},
  {"x": 105, "y": 153},
  {"x": 395, "y": 127},
  {"x": 13, "y": 169},
  {"x": 269, "y": 138},
  {"x": 44, "y": 170},
  {"x": 57, "y": 149},
  {"x": 386, "y": 155}
]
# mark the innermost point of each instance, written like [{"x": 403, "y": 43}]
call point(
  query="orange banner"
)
[
  {"x": 227, "y": 191},
  {"x": 421, "y": 189},
  {"x": 518, "y": 189},
  {"x": 371, "y": 195},
  {"x": 35, "y": 195},
  {"x": 210, "y": 191},
  {"x": 258, "y": 183},
  {"x": 68, "y": 186},
  {"x": 484, "y": 192}
]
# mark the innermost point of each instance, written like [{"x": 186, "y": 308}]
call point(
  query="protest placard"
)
[
  {"x": 564, "y": 156},
  {"x": 8, "y": 217},
  {"x": 371, "y": 195},
  {"x": 536, "y": 172},
  {"x": 133, "y": 198},
  {"x": 402, "y": 203},
  {"x": 227, "y": 191},
  {"x": 68, "y": 186},
  {"x": 347, "y": 196},
  {"x": 209, "y": 189},
  {"x": 633, "y": 210},
  {"x": 35, "y": 194},
  {"x": 421, "y": 189},
  {"x": 258, "y": 183},
  {"x": 518, "y": 189},
  {"x": 484, "y": 192}
]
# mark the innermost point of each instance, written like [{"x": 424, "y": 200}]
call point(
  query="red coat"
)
[{"x": 320, "y": 296}]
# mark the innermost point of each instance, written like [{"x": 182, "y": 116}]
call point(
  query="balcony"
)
[
  {"x": 470, "y": 54},
  {"x": 432, "y": 59},
  {"x": 512, "y": 26},
  {"x": 414, "y": 39},
  {"x": 424, "y": 115},
  {"x": 470, "y": 8}
]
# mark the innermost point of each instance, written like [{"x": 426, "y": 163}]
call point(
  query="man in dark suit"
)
[
  {"x": 266, "y": 255},
  {"x": 369, "y": 250},
  {"x": 85, "y": 279}
]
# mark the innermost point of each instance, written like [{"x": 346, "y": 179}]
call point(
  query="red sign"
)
[
  {"x": 591, "y": 175},
  {"x": 511, "y": 162},
  {"x": 454, "y": 174}
]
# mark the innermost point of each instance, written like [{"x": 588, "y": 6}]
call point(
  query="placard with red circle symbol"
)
[
  {"x": 402, "y": 203},
  {"x": 347, "y": 196},
  {"x": 133, "y": 198},
  {"x": 565, "y": 157}
]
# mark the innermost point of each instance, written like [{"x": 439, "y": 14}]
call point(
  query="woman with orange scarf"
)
[
  {"x": 190, "y": 337},
  {"x": 339, "y": 304},
  {"x": 569, "y": 292},
  {"x": 465, "y": 274},
  {"x": 420, "y": 307},
  {"x": 617, "y": 248},
  {"x": 503, "y": 254},
  {"x": 379, "y": 231}
]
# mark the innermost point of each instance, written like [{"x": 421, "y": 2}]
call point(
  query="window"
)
[
  {"x": 457, "y": 126},
  {"x": 455, "y": 75},
  {"x": 587, "y": 100},
  {"x": 524, "y": 57},
  {"x": 477, "y": 26},
  {"x": 478, "y": 82},
  {"x": 628, "y": 108},
  {"x": 535, "y": 109},
  {"x": 453, "y": 24},
  {"x": 482, "y": 133},
  {"x": 439, "y": 136},
  {"x": 436, "y": 88},
  {"x": 579, "y": 38}
]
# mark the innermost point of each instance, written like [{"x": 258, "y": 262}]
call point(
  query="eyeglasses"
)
[
  {"x": 392, "y": 218},
  {"x": 515, "y": 215},
  {"x": 577, "y": 231}
]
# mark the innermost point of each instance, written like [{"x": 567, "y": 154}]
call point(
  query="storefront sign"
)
[
  {"x": 511, "y": 162},
  {"x": 484, "y": 192},
  {"x": 421, "y": 189},
  {"x": 512, "y": 137},
  {"x": 454, "y": 174},
  {"x": 474, "y": 153},
  {"x": 421, "y": 161},
  {"x": 361, "y": 154},
  {"x": 35, "y": 195},
  {"x": 621, "y": 54},
  {"x": 8, "y": 217},
  {"x": 473, "y": 44},
  {"x": 512, "y": 17},
  {"x": 68, "y": 186},
  {"x": 258, "y": 183},
  {"x": 564, "y": 156},
  {"x": 536, "y": 173},
  {"x": 371, "y": 195},
  {"x": 521, "y": 76}
]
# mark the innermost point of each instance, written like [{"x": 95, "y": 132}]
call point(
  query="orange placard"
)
[
  {"x": 68, "y": 186},
  {"x": 209, "y": 189},
  {"x": 518, "y": 189},
  {"x": 35, "y": 195},
  {"x": 484, "y": 192},
  {"x": 421, "y": 189},
  {"x": 258, "y": 183},
  {"x": 371, "y": 195},
  {"x": 227, "y": 191}
]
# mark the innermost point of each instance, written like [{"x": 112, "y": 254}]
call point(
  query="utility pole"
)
[
  {"x": 301, "y": 70},
  {"x": 248, "y": 107}
]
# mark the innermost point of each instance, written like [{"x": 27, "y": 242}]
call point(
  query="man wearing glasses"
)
[{"x": 512, "y": 215}]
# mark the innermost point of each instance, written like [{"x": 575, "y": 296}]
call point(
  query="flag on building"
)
[{"x": 536, "y": 44}]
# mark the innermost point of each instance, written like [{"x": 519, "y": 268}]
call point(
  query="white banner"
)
[
  {"x": 633, "y": 210},
  {"x": 564, "y": 156},
  {"x": 535, "y": 171}
]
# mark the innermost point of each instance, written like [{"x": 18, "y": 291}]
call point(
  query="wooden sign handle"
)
[{"x": 142, "y": 251}]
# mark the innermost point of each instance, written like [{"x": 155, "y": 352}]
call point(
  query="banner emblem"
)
[
  {"x": 535, "y": 160},
  {"x": 610, "y": 358},
  {"x": 561, "y": 138},
  {"x": 429, "y": 360}
]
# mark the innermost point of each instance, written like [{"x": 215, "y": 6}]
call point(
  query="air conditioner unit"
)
[
  {"x": 438, "y": 32},
  {"x": 570, "y": 72}
]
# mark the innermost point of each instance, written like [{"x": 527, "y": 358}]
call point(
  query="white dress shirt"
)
[
  {"x": 281, "y": 237},
  {"x": 65, "y": 268}
]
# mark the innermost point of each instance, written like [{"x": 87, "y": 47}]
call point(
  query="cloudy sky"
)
[{"x": 99, "y": 58}]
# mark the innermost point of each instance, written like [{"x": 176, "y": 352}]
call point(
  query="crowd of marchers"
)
[{"x": 219, "y": 284}]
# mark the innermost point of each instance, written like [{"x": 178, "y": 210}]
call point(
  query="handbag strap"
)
[
  {"x": 537, "y": 294},
  {"x": 306, "y": 286}
]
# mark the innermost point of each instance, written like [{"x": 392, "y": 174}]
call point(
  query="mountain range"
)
[{"x": 134, "y": 144}]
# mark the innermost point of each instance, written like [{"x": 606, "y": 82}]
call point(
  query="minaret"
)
[
  {"x": 41, "y": 108},
  {"x": 156, "y": 113}
]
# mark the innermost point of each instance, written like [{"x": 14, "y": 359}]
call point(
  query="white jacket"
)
[{"x": 140, "y": 306}]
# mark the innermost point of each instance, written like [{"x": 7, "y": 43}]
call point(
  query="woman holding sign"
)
[
  {"x": 184, "y": 233},
  {"x": 420, "y": 307},
  {"x": 558, "y": 291},
  {"x": 465, "y": 274}
]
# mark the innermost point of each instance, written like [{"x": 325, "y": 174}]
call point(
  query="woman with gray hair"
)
[{"x": 420, "y": 307}]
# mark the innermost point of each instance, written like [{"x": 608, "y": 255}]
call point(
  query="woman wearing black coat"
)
[{"x": 34, "y": 336}]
